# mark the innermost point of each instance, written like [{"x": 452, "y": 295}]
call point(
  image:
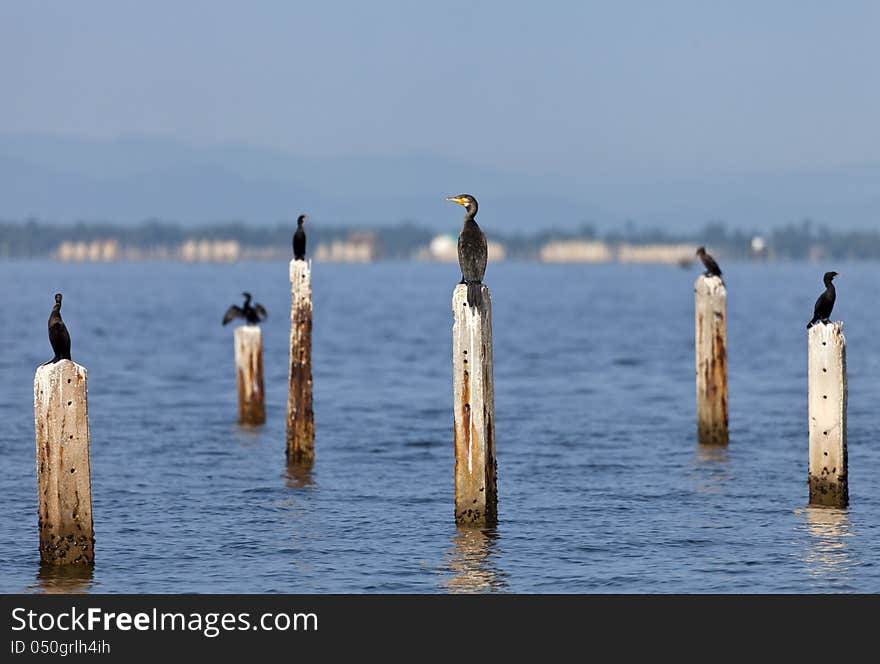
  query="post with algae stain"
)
[
  {"x": 300, "y": 417},
  {"x": 826, "y": 369},
  {"x": 710, "y": 308},
  {"x": 249, "y": 374},
  {"x": 476, "y": 498},
  {"x": 61, "y": 423}
]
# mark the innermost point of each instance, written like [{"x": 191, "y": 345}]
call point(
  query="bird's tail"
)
[{"x": 475, "y": 294}]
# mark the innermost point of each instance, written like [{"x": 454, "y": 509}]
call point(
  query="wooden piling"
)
[
  {"x": 300, "y": 417},
  {"x": 476, "y": 498},
  {"x": 61, "y": 423},
  {"x": 710, "y": 307},
  {"x": 249, "y": 375},
  {"x": 826, "y": 369}
]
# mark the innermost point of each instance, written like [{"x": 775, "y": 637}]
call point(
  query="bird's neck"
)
[
  {"x": 56, "y": 309},
  {"x": 469, "y": 218}
]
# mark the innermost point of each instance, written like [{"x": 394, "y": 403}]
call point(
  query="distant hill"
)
[{"x": 131, "y": 179}]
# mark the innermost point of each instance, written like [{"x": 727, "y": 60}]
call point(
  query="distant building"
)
[
  {"x": 817, "y": 252},
  {"x": 444, "y": 249},
  {"x": 758, "y": 247},
  {"x": 576, "y": 251},
  {"x": 94, "y": 251},
  {"x": 210, "y": 251},
  {"x": 674, "y": 254},
  {"x": 358, "y": 248}
]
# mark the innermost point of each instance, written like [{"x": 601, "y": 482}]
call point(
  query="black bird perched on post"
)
[
  {"x": 299, "y": 239},
  {"x": 473, "y": 253},
  {"x": 825, "y": 303},
  {"x": 252, "y": 314},
  {"x": 58, "y": 334},
  {"x": 712, "y": 269}
]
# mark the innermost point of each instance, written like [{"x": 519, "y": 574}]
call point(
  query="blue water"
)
[{"x": 602, "y": 487}]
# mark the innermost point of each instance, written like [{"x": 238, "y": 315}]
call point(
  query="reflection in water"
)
[
  {"x": 52, "y": 579},
  {"x": 712, "y": 469},
  {"x": 299, "y": 475},
  {"x": 471, "y": 562},
  {"x": 828, "y": 555},
  {"x": 246, "y": 435}
]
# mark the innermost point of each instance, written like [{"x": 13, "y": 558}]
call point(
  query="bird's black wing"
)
[
  {"x": 59, "y": 338},
  {"x": 483, "y": 259},
  {"x": 824, "y": 305},
  {"x": 818, "y": 307},
  {"x": 299, "y": 244},
  {"x": 822, "y": 310},
  {"x": 711, "y": 265},
  {"x": 472, "y": 258},
  {"x": 232, "y": 313},
  {"x": 261, "y": 310},
  {"x": 473, "y": 253}
]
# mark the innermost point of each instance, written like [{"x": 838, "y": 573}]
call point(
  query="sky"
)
[{"x": 561, "y": 89}]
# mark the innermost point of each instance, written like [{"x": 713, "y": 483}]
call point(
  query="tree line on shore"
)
[{"x": 33, "y": 238}]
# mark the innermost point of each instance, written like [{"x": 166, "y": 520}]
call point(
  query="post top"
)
[
  {"x": 248, "y": 330},
  {"x": 459, "y": 299},
  {"x": 462, "y": 288},
  {"x": 49, "y": 375},
  {"x": 826, "y": 331},
  {"x": 300, "y": 269},
  {"x": 709, "y": 283},
  {"x": 60, "y": 367}
]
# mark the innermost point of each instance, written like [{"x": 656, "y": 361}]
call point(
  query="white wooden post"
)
[
  {"x": 249, "y": 374},
  {"x": 61, "y": 423},
  {"x": 474, "y": 405},
  {"x": 300, "y": 416},
  {"x": 710, "y": 307},
  {"x": 827, "y": 412}
]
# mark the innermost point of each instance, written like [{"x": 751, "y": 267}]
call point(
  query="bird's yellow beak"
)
[{"x": 455, "y": 199}]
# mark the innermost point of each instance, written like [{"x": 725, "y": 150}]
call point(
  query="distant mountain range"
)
[{"x": 131, "y": 179}]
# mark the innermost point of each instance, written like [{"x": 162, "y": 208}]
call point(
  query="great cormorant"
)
[
  {"x": 825, "y": 303},
  {"x": 299, "y": 239},
  {"x": 472, "y": 250},
  {"x": 58, "y": 334},
  {"x": 252, "y": 314},
  {"x": 712, "y": 269}
]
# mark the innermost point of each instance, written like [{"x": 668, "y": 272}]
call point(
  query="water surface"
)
[{"x": 602, "y": 487}]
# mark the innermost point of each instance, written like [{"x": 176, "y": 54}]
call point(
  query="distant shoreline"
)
[{"x": 232, "y": 242}]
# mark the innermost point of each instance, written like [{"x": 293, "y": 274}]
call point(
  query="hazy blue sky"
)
[{"x": 586, "y": 87}]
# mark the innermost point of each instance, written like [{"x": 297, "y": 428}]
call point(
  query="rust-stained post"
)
[
  {"x": 249, "y": 375},
  {"x": 476, "y": 499},
  {"x": 710, "y": 300},
  {"x": 64, "y": 487},
  {"x": 300, "y": 417},
  {"x": 826, "y": 370}
]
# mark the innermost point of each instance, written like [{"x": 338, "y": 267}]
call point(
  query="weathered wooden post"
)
[
  {"x": 476, "y": 498},
  {"x": 710, "y": 300},
  {"x": 61, "y": 423},
  {"x": 826, "y": 369},
  {"x": 249, "y": 374},
  {"x": 300, "y": 417}
]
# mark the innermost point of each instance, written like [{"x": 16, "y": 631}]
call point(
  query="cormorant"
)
[
  {"x": 299, "y": 239},
  {"x": 712, "y": 269},
  {"x": 58, "y": 334},
  {"x": 252, "y": 314},
  {"x": 472, "y": 250},
  {"x": 825, "y": 303}
]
